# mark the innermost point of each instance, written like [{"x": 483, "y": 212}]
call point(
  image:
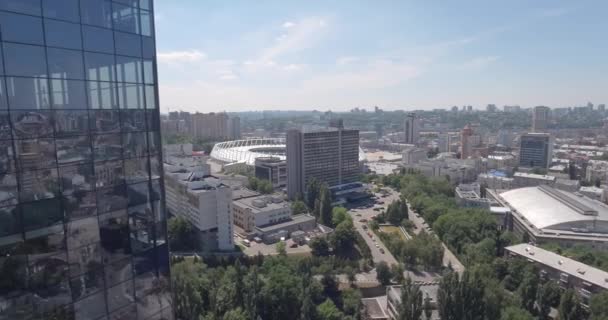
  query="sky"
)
[{"x": 247, "y": 55}]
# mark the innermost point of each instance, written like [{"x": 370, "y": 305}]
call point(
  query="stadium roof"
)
[{"x": 548, "y": 208}]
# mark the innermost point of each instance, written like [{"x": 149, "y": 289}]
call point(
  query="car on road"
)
[
  {"x": 377, "y": 209},
  {"x": 363, "y": 220},
  {"x": 381, "y": 250},
  {"x": 364, "y": 227},
  {"x": 358, "y": 215}
]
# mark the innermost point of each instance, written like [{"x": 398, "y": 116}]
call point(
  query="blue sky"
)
[{"x": 264, "y": 55}]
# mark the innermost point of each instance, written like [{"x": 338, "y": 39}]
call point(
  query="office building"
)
[
  {"x": 524, "y": 179},
  {"x": 411, "y": 126},
  {"x": 82, "y": 225},
  {"x": 329, "y": 155},
  {"x": 584, "y": 279},
  {"x": 273, "y": 169},
  {"x": 597, "y": 170},
  {"x": 540, "y": 118},
  {"x": 249, "y": 213},
  {"x": 201, "y": 199},
  {"x": 536, "y": 150}
]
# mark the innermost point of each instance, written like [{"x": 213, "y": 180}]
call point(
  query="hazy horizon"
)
[{"x": 396, "y": 55}]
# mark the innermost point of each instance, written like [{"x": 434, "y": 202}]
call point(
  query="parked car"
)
[
  {"x": 363, "y": 220},
  {"x": 381, "y": 250}
]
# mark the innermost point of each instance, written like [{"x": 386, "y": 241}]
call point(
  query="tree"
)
[
  {"x": 351, "y": 302},
  {"x": 281, "y": 248},
  {"x": 350, "y": 275},
  {"x": 265, "y": 187},
  {"x": 514, "y": 313},
  {"x": 253, "y": 183},
  {"x": 343, "y": 238},
  {"x": 319, "y": 247},
  {"x": 570, "y": 306},
  {"x": 599, "y": 306},
  {"x": 328, "y": 311},
  {"x": 188, "y": 298},
  {"x": 527, "y": 290},
  {"x": 235, "y": 314},
  {"x": 548, "y": 295},
  {"x": 325, "y": 208},
  {"x": 298, "y": 207},
  {"x": 312, "y": 192},
  {"x": 383, "y": 273},
  {"x": 338, "y": 215},
  {"x": 397, "y": 271},
  {"x": 411, "y": 301},
  {"x": 396, "y": 212},
  {"x": 182, "y": 236}
]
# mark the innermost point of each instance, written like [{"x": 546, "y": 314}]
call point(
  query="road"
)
[
  {"x": 448, "y": 256},
  {"x": 367, "y": 214},
  {"x": 377, "y": 256}
]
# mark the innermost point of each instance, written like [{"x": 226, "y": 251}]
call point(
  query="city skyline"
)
[{"x": 345, "y": 55}]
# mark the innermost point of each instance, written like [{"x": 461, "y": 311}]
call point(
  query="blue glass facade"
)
[{"x": 82, "y": 223}]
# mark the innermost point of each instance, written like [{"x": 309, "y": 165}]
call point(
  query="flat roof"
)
[
  {"x": 548, "y": 208},
  {"x": 301, "y": 218},
  {"x": 268, "y": 200},
  {"x": 534, "y": 176},
  {"x": 561, "y": 263}
]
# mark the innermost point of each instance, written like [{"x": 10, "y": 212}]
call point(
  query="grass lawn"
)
[{"x": 392, "y": 229}]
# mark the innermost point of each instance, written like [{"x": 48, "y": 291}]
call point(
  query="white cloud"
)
[
  {"x": 298, "y": 36},
  {"x": 186, "y": 56},
  {"x": 288, "y": 24}
]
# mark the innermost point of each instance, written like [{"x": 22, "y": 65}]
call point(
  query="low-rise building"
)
[
  {"x": 567, "y": 273},
  {"x": 597, "y": 170},
  {"x": 523, "y": 179},
  {"x": 249, "y": 213},
  {"x": 593, "y": 193},
  {"x": 469, "y": 195},
  {"x": 495, "y": 182},
  {"x": 273, "y": 169},
  {"x": 302, "y": 222}
]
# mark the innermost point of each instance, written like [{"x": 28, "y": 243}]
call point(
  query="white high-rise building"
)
[{"x": 203, "y": 200}]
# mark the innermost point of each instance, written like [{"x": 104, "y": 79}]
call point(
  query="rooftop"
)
[
  {"x": 301, "y": 218},
  {"x": 548, "y": 208},
  {"x": 534, "y": 176},
  {"x": 561, "y": 263},
  {"x": 262, "y": 203}
]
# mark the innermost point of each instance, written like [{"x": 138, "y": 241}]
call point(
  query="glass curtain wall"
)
[{"x": 82, "y": 225}]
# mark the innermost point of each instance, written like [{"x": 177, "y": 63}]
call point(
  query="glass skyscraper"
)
[{"x": 82, "y": 225}]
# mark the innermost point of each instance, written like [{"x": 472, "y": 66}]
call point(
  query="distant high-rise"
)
[
  {"x": 411, "y": 127},
  {"x": 540, "y": 118},
  {"x": 215, "y": 125},
  {"x": 82, "y": 212},
  {"x": 329, "y": 155},
  {"x": 536, "y": 150},
  {"x": 491, "y": 108},
  {"x": 466, "y": 145},
  {"x": 234, "y": 128}
]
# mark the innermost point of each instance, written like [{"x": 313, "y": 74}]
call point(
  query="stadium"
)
[{"x": 246, "y": 151}]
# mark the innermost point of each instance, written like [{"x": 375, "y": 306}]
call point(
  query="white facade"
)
[
  {"x": 204, "y": 201},
  {"x": 249, "y": 213},
  {"x": 495, "y": 182}
]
